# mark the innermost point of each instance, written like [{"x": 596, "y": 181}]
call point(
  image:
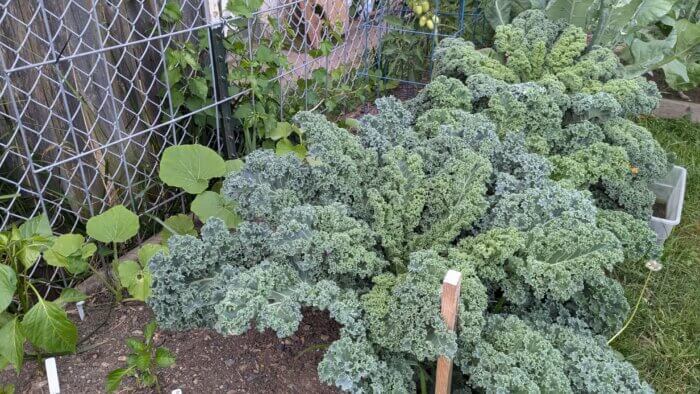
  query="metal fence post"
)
[{"x": 219, "y": 67}]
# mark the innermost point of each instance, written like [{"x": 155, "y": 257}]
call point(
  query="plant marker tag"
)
[
  {"x": 81, "y": 311},
  {"x": 52, "y": 375},
  {"x": 176, "y": 391}
]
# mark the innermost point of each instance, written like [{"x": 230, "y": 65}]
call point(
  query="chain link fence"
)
[
  {"x": 86, "y": 107},
  {"x": 87, "y": 104}
]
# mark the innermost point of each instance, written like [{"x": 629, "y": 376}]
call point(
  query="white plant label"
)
[
  {"x": 81, "y": 311},
  {"x": 52, "y": 375}
]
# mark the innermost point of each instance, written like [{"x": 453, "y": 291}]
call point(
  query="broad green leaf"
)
[
  {"x": 243, "y": 111},
  {"x": 88, "y": 250},
  {"x": 117, "y": 224},
  {"x": 190, "y": 167},
  {"x": 114, "y": 379},
  {"x": 149, "y": 331},
  {"x": 147, "y": 251},
  {"x": 198, "y": 87},
  {"x": 688, "y": 40},
  {"x": 285, "y": 146},
  {"x": 393, "y": 20},
  {"x": 182, "y": 225},
  {"x": 210, "y": 204},
  {"x": 8, "y": 286},
  {"x": 69, "y": 295},
  {"x": 679, "y": 81},
  {"x": 244, "y": 8},
  {"x": 136, "y": 280},
  {"x": 47, "y": 327},
  {"x": 164, "y": 358},
  {"x": 676, "y": 70},
  {"x": 38, "y": 225},
  {"x": 282, "y": 130},
  {"x": 626, "y": 17},
  {"x": 63, "y": 247},
  {"x": 31, "y": 248},
  {"x": 234, "y": 166},
  {"x": 648, "y": 55},
  {"x": 497, "y": 12},
  {"x": 650, "y": 11},
  {"x": 575, "y": 12},
  {"x": 12, "y": 343},
  {"x": 174, "y": 76}
]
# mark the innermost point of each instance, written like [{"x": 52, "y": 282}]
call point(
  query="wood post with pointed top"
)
[{"x": 449, "y": 307}]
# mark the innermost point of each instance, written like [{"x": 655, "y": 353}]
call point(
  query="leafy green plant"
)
[
  {"x": 649, "y": 35},
  {"x": 192, "y": 168},
  {"x": 517, "y": 167},
  {"x": 143, "y": 362},
  {"x": 112, "y": 227},
  {"x": 255, "y": 74},
  {"x": 25, "y": 315}
]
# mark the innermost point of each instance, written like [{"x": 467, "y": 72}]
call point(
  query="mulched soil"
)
[{"x": 206, "y": 362}]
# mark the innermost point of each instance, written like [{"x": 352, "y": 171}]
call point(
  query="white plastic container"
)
[{"x": 670, "y": 193}]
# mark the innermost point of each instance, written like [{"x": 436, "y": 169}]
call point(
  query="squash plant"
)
[
  {"x": 25, "y": 315},
  {"x": 191, "y": 168},
  {"x": 118, "y": 225}
]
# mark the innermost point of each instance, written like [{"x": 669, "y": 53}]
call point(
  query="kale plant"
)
[{"x": 521, "y": 173}]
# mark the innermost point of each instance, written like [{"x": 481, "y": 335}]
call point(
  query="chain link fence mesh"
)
[{"x": 86, "y": 107}]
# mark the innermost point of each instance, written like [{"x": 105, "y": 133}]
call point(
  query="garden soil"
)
[{"x": 206, "y": 362}]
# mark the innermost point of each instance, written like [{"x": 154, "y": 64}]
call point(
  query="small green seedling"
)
[{"x": 142, "y": 363}]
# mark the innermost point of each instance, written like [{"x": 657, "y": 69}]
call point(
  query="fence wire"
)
[{"x": 86, "y": 107}]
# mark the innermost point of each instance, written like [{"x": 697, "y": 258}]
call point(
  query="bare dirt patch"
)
[{"x": 207, "y": 362}]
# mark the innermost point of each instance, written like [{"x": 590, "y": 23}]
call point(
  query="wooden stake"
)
[{"x": 449, "y": 307}]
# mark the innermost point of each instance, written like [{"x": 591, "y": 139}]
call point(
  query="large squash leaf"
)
[{"x": 190, "y": 167}]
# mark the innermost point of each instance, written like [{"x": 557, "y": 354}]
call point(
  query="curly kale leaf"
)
[
  {"x": 512, "y": 357},
  {"x": 592, "y": 164},
  {"x": 563, "y": 254},
  {"x": 391, "y": 127},
  {"x": 267, "y": 295},
  {"x": 457, "y": 188},
  {"x": 590, "y": 364},
  {"x": 354, "y": 366},
  {"x": 404, "y": 311},
  {"x": 340, "y": 164},
  {"x": 442, "y": 92},
  {"x": 324, "y": 242},
  {"x": 531, "y": 207},
  {"x": 396, "y": 198},
  {"x": 638, "y": 240},
  {"x": 454, "y": 57},
  {"x": 646, "y": 155},
  {"x": 190, "y": 279},
  {"x": 266, "y": 184}
]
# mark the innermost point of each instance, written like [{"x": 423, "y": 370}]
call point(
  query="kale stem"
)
[{"x": 634, "y": 311}]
